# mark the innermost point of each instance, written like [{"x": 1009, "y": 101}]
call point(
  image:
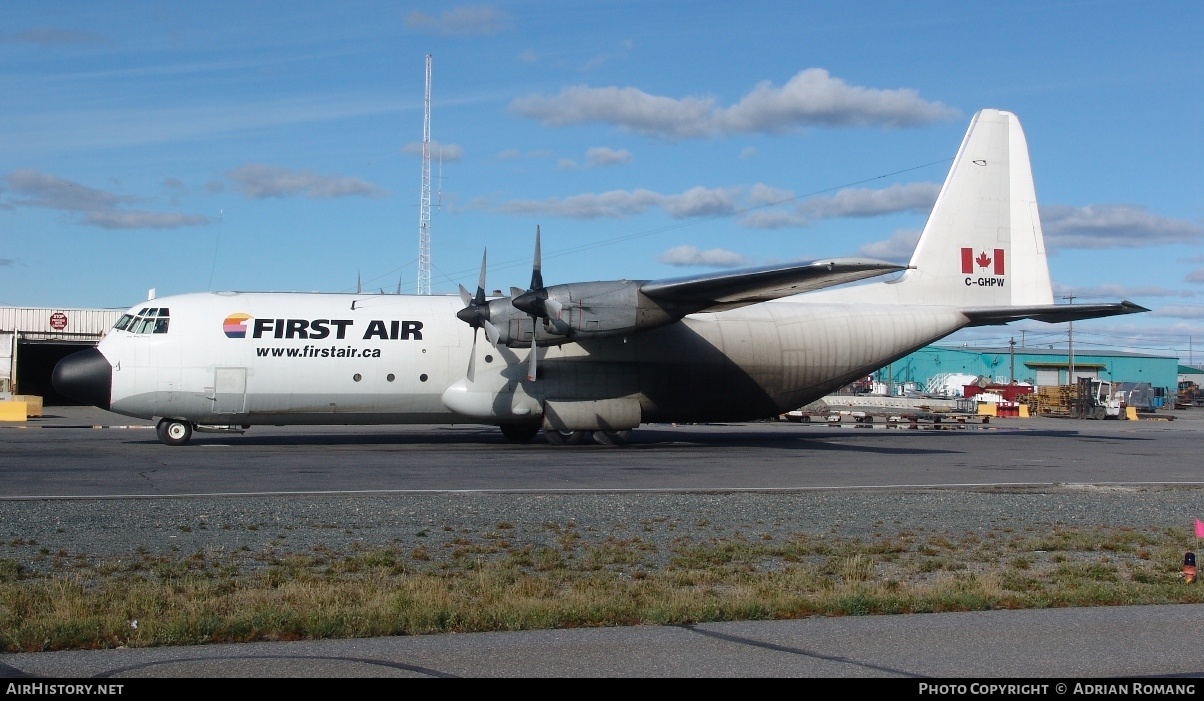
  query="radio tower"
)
[{"x": 424, "y": 207}]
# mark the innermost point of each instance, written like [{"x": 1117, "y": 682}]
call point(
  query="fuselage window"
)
[
  {"x": 123, "y": 322},
  {"x": 161, "y": 324}
]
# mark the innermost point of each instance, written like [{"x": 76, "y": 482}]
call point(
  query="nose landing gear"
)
[{"x": 174, "y": 431}]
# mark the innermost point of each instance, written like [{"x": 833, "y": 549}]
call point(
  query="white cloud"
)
[
  {"x": 465, "y": 20},
  {"x": 771, "y": 219},
  {"x": 449, "y": 153},
  {"x": 1119, "y": 291},
  {"x": 1196, "y": 275},
  {"x": 132, "y": 219},
  {"x": 37, "y": 189},
  {"x": 1179, "y": 312},
  {"x": 566, "y": 164},
  {"x": 94, "y": 207},
  {"x": 616, "y": 204},
  {"x": 258, "y": 181},
  {"x": 604, "y": 156},
  {"x": 898, "y": 248},
  {"x": 700, "y": 202},
  {"x": 850, "y": 202},
  {"x": 748, "y": 152},
  {"x": 691, "y": 255},
  {"x": 811, "y": 98},
  {"x": 765, "y": 194},
  {"x": 862, "y": 202},
  {"x": 1114, "y": 226}
]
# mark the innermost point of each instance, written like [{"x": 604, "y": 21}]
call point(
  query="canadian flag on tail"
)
[{"x": 969, "y": 260}]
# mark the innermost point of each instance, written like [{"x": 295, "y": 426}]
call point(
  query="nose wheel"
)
[{"x": 174, "y": 431}]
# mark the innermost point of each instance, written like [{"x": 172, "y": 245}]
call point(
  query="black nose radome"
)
[{"x": 85, "y": 376}]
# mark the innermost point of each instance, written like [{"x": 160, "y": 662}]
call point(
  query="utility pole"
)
[
  {"x": 1070, "y": 345},
  {"x": 424, "y": 206},
  {"x": 1012, "y": 343}
]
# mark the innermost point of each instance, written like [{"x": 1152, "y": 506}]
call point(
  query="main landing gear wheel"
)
[
  {"x": 174, "y": 431},
  {"x": 612, "y": 437},
  {"x": 520, "y": 433},
  {"x": 564, "y": 437}
]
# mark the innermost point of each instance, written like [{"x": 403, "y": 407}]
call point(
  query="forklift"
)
[{"x": 1096, "y": 400}]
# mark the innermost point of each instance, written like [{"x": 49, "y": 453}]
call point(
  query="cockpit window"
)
[{"x": 148, "y": 320}]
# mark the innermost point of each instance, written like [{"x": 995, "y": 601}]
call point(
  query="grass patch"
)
[{"x": 485, "y": 584}]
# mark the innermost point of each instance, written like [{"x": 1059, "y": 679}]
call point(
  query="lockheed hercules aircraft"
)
[{"x": 589, "y": 359}]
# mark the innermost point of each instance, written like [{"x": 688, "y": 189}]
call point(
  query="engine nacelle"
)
[{"x": 579, "y": 311}]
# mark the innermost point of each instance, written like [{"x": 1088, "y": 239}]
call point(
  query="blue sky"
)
[{"x": 272, "y": 145}]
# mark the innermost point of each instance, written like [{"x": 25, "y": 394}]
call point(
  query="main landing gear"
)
[
  {"x": 525, "y": 433},
  {"x": 174, "y": 431}
]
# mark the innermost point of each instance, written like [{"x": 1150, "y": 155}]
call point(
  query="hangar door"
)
[{"x": 8, "y": 352}]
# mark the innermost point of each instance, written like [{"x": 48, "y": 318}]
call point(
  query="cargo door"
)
[{"x": 229, "y": 390}]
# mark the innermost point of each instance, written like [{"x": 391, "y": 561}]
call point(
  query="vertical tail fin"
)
[{"x": 982, "y": 245}]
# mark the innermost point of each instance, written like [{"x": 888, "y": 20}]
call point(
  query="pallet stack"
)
[{"x": 1053, "y": 401}]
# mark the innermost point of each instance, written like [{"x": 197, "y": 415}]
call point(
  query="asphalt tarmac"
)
[{"x": 87, "y": 461}]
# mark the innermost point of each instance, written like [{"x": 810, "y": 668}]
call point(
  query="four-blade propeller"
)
[
  {"x": 533, "y": 301},
  {"x": 476, "y": 314}
]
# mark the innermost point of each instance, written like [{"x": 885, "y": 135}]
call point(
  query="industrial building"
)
[
  {"x": 34, "y": 339},
  {"x": 1037, "y": 366}
]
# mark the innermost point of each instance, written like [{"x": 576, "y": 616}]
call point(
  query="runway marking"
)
[{"x": 603, "y": 490}]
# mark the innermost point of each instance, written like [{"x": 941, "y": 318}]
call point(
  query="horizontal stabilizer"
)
[
  {"x": 1049, "y": 313},
  {"x": 720, "y": 291}
]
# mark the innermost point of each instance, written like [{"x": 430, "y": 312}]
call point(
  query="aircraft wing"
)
[
  {"x": 719, "y": 291},
  {"x": 1049, "y": 313}
]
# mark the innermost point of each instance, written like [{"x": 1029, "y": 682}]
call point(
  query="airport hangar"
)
[{"x": 33, "y": 339}]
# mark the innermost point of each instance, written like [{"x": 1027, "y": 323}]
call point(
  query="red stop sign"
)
[{"x": 58, "y": 321}]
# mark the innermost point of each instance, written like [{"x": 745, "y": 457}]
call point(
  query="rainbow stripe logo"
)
[{"x": 235, "y": 325}]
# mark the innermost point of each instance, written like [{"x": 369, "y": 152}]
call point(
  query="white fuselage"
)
[{"x": 291, "y": 358}]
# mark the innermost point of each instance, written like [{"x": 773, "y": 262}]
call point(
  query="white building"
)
[{"x": 33, "y": 339}]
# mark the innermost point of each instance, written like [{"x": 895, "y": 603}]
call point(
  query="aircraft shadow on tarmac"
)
[{"x": 645, "y": 439}]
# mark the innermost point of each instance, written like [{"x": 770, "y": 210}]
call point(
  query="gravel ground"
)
[{"x": 44, "y": 534}]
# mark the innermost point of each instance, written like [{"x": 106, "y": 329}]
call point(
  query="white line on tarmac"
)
[{"x": 691, "y": 490}]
